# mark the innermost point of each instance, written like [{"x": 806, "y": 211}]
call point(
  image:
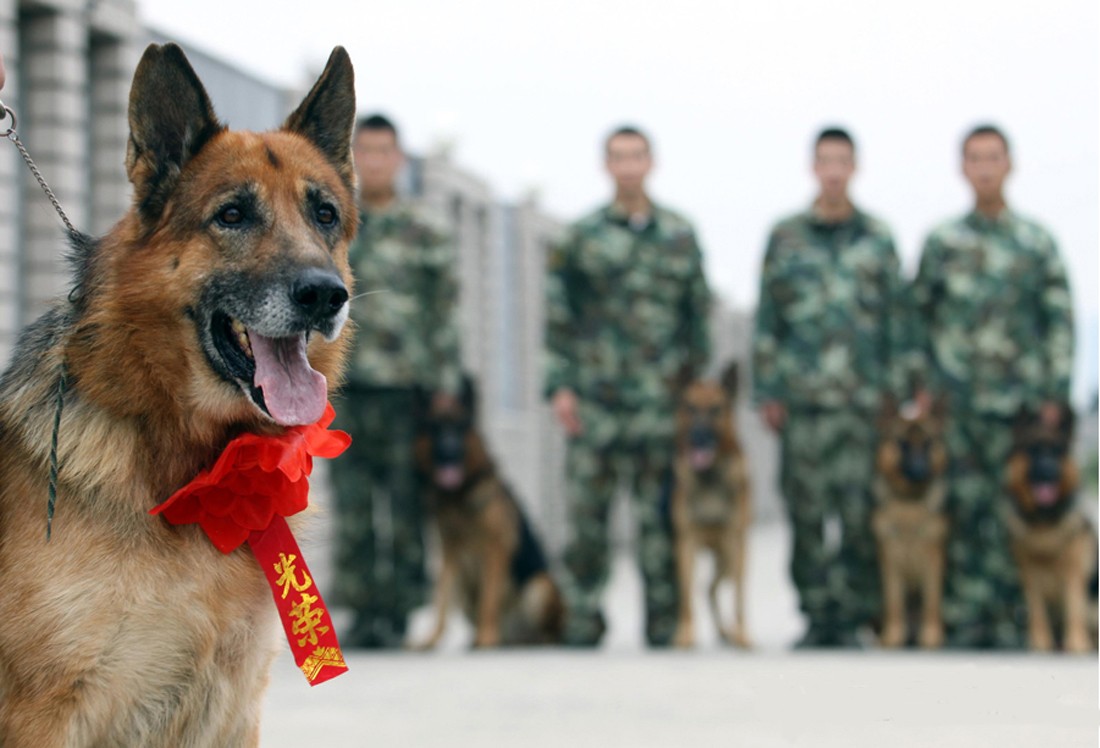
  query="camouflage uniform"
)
[
  {"x": 406, "y": 336},
  {"x": 994, "y": 320},
  {"x": 822, "y": 347},
  {"x": 626, "y": 317}
]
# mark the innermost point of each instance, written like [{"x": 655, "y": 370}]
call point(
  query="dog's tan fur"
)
[
  {"x": 1055, "y": 559},
  {"x": 124, "y": 630},
  {"x": 910, "y": 527},
  {"x": 711, "y": 510}
]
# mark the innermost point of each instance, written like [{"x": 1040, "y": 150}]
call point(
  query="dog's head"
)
[
  {"x": 449, "y": 451},
  {"x": 1042, "y": 474},
  {"x": 704, "y": 420},
  {"x": 911, "y": 452},
  {"x": 223, "y": 294}
]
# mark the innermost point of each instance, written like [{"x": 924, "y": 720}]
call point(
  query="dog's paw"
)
[
  {"x": 487, "y": 639},
  {"x": 1077, "y": 642},
  {"x": 738, "y": 637},
  {"x": 1041, "y": 641},
  {"x": 931, "y": 636},
  {"x": 893, "y": 636},
  {"x": 684, "y": 638}
]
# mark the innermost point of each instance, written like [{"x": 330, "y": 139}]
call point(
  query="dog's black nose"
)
[{"x": 319, "y": 293}]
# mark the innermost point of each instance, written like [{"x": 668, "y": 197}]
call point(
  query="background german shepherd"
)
[
  {"x": 910, "y": 488},
  {"x": 1052, "y": 541},
  {"x": 711, "y": 506},
  {"x": 491, "y": 557},
  {"x": 215, "y": 306}
]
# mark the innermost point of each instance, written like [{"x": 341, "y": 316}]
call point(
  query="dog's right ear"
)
[
  {"x": 468, "y": 395},
  {"x": 171, "y": 119},
  {"x": 729, "y": 380}
]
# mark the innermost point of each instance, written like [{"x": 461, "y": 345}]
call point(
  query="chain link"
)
[{"x": 13, "y": 136}]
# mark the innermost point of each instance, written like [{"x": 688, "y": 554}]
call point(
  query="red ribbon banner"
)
[{"x": 245, "y": 496}]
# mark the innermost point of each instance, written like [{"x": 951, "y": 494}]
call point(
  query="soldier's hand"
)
[
  {"x": 564, "y": 404},
  {"x": 923, "y": 401},
  {"x": 443, "y": 401},
  {"x": 3, "y": 75},
  {"x": 1050, "y": 413},
  {"x": 774, "y": 414}
]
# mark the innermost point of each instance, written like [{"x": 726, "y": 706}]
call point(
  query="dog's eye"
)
[
  {"x": 326, "y": 215},
  {"x": 230, "y": 216}
]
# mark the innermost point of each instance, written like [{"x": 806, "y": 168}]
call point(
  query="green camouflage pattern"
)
[
  {"x": 993, "y": 323},
  {"x": 407, "y": 324},
  {"x": 826, "y": 470},
  {"x": 828, "y": 317},
  {"x": 627, "y": 321},
  {"x": 379, "y": 570},
  {"x": 983, "y": 603}
]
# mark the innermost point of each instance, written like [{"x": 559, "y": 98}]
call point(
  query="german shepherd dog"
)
[
  {"x": 910, "y": 489},
  {"x": 491, "y": 557},
  {"x": 1052, "y": 541},
  {"x": 711, "y": 505},
  {"x": 214, "y": 307}
]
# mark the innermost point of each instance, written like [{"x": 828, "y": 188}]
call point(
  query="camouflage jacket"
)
[
  {"x": 993, "y": 323},
  {"x": 827, "y": 320},
  {"x": 626, "y": 314},
  {"x": 407, "y": 333}
]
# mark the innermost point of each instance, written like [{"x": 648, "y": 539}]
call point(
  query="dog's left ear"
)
[
  {"x": 468, "y": 395},
  {"x": 729, "y": 380},
  {"x": 326, "y": 115},
  {"x": 171, "y": 119}
]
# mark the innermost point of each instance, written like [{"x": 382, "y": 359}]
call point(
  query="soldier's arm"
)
[
  {"x": 697, "y": 301},
  {"x": 897, "y": 378},
  {"x": 767, "y": 335},
  {"x": 560, "y": 323},
  {"x": 1056, "y": 308},
  {"x": 441, "y": 320}
]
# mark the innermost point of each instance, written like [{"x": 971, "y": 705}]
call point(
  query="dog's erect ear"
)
[
  {"x": 171, "y": 119},
  {"x": 326, "y": 115},
  {"x": 1069, "y": 421},
  {"x": 468, "y": 396},
  {"x": 729, "y": 380}
]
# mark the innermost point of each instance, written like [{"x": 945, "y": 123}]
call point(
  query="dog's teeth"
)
[{"x": 242, "y": 336}]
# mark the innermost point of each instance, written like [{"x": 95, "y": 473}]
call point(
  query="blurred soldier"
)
[
  {"x": 627, "y": 306},
  {"x": 995, "y": 323},
  {"x": 406, "y": 337},
  {"x": 822, "y": 349}
]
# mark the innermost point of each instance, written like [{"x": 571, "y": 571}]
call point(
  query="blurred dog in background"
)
[
  {"x": 910, "y": 488},
  {"x": 711, "y": 506},
  {"x": 1052, "y": 541},
  {"x": 491, "y": 557}
]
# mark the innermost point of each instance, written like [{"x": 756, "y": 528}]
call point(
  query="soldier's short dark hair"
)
[
  {"x": 835, "y": 133},
  {"x": 626, "y": 130},
  {"x": 985, "y": 129},
  {"x": 376, "y": 123}
]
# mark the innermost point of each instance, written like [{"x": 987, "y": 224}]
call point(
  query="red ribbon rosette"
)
[
  {"x": 256, "y": 483},
  {"x": 254, "y": 479}
]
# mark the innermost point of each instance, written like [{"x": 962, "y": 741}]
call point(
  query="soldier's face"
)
[
  {"x": 834, "y": 165},
  {"x": 986, "y": 165},
  {"x": 377, "y": 160},
  {"x": 628, "y": 162}
]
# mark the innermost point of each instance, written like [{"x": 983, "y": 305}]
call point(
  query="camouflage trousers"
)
[
  {"x": 379, "y": 555},
  {"x": 825, "y": 478},
  {"x": 594, "y": 475},
  {"x": 983, "y": 604}
]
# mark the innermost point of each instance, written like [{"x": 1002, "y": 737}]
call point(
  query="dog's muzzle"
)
[{"x": 320, "y": 296}]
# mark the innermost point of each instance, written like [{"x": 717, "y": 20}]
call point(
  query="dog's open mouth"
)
[
  {"x": 702, "y": 458},
  {"x": 274, "y": 371},
  {"x": 1045, "y": 494},
  {"x": 449, "y": 477}
]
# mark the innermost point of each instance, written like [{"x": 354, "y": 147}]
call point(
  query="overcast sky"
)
[{"x": 732, "y": 93}]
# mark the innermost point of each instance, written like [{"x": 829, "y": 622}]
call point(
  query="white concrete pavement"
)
[{"x": 623, "y": 695}]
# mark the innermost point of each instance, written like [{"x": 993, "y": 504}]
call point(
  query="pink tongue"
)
[
  {"x": 449, "y": 477},
  {"x": 702, "y": 458},
  {"x": 295, "y": 394},
  {"x": 1045, "y": 493}
]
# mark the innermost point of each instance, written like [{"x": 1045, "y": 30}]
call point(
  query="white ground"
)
[{"x": 623, "y": 695}]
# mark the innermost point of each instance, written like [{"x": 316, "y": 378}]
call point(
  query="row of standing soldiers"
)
[{"x": 986, "y": 325}]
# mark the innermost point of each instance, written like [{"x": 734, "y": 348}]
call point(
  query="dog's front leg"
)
[
  {"x": 1076, "y": 637},
  {"x": 685, "y": 575},
  {"x": 444, "y": 592},
  {"x": 893, "y": 589},
  {"x": 1040, "y": 636},
  {"x": 493, "y": 569},
  {"x": 931, "y": 631},
  {"x": 739, "y": 635}
]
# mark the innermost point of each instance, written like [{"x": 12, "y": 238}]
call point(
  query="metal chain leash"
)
[{"x": 13, "y": 136}]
